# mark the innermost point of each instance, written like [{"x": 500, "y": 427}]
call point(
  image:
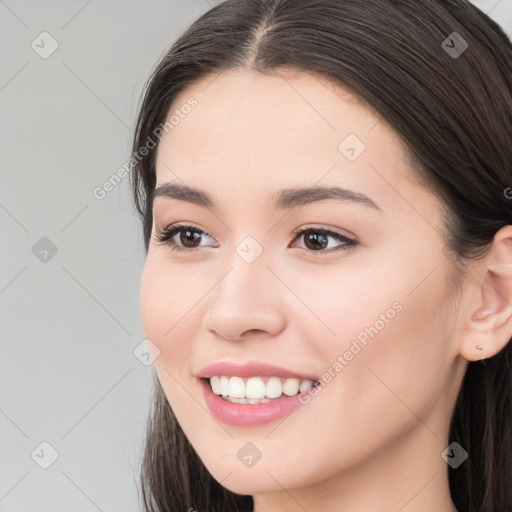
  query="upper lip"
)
[{"x": 250, "y": 369}]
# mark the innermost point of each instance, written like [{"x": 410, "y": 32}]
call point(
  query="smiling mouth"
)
[{"x": 256, "y": 390}]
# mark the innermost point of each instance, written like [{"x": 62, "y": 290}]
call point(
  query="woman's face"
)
[{"x": 371, "y": 314}]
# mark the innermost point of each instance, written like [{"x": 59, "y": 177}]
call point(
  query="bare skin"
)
[{"x": 372, "y": 439}]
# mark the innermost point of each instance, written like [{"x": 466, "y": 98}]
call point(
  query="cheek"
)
[
  {"x": 170, "y": 321},
  {"x": 392, "y": 344},
  {"x": 167, "y": 311},
  {"x": 382, "y": 340},
  {"x": 389, "y": 302}
]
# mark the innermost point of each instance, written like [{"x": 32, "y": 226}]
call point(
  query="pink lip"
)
[
  {"x": 251, "y": 369},
  {"x": 246, "y": 415}
]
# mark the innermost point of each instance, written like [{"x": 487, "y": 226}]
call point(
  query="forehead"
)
[
  {"x": 251, "y": 131},
  {"x": 282, "y": 109}
]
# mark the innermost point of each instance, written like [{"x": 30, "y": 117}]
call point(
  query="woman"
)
[{"x": 325, "y": 192}]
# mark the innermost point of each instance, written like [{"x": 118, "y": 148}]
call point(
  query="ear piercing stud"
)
[{"x": 479, "y": 347}]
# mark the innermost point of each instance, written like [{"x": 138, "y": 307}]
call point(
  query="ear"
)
[{"x": 488, "y": 325}]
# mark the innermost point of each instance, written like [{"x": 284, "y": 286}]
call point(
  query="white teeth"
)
[
  {"x": 236, "y": 388},
  {"x": 305, "y": 385},
  {"x": 224, "y": 386},
  {"x": 247, "y": 400},
  {"x": 274, "y": 388},
  {"x": 215, "y": 384},
  {"x": 255, "y": 389},
  {"x": 291, "y": 387}
]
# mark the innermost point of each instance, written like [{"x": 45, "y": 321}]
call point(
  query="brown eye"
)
[
  {"x": 317, "y": 240},
  {"x": 189, "y": 237}
]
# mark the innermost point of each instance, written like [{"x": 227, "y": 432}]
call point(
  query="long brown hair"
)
[{"x": 448, "y": 96}]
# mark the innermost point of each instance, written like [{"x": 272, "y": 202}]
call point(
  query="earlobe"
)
[{"x": 489, "y": 327}]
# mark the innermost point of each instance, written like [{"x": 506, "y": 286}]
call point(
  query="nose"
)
[{"x": 246, "y": 302}]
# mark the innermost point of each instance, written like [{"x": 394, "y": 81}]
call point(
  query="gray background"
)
[{"x": 70, "y": 319}]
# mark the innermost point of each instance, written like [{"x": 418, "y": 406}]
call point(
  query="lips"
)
[
  {"x": 251, "y": 369},
  {"x": 250, "y": 415}
]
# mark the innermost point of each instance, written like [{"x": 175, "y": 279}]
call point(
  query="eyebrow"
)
[{"x": 285, "y": 199}]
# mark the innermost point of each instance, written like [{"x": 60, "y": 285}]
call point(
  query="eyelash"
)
[{"x": 168, "y": 233}]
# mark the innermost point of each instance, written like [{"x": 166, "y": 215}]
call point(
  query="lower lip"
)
[{"x": 246, "y": 415}]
